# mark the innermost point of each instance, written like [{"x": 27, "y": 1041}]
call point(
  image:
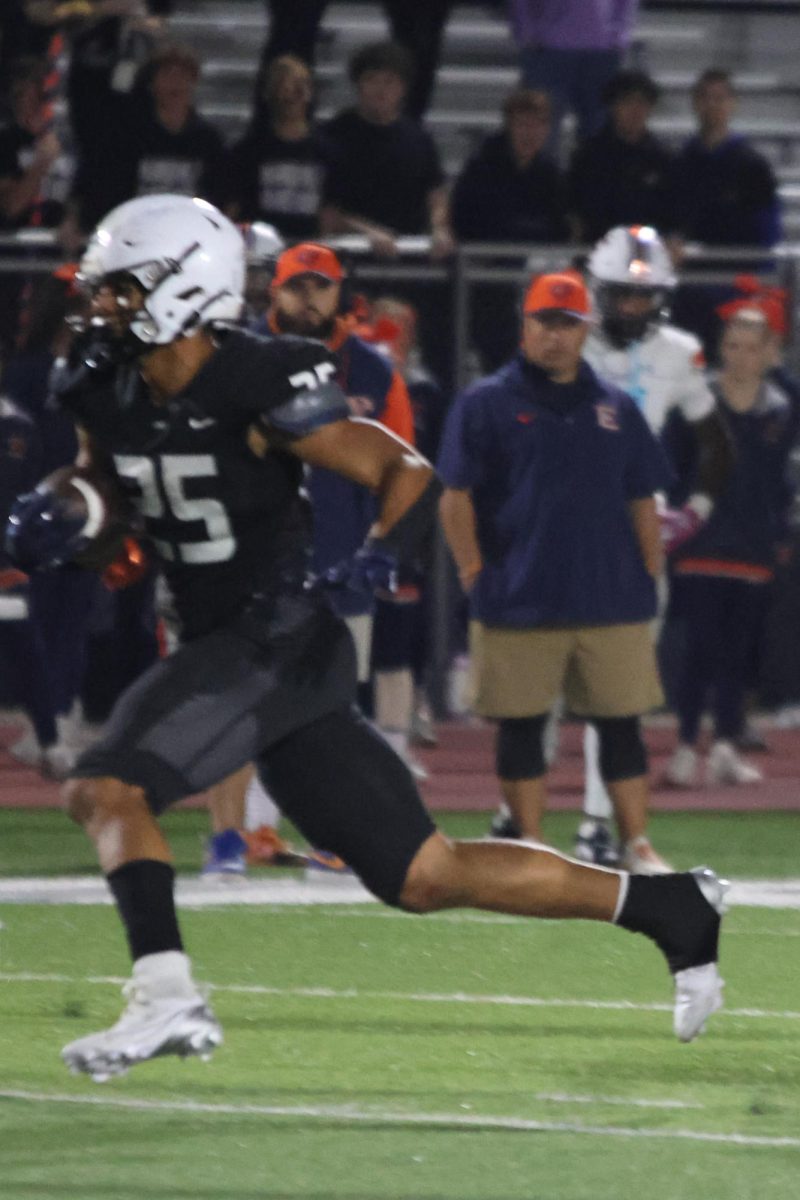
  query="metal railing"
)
[{"x": 35, "y": 252}]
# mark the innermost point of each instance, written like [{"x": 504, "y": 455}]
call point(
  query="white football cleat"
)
[
  {"x": 698, "y": 994},
  {"x": 149, "y": 1027},
  {"x": 698, "y": 990}
]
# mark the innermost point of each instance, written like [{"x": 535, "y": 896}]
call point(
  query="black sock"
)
[
  {"x": 672, "y": 911},
  {"x": 143, "y": 891}
]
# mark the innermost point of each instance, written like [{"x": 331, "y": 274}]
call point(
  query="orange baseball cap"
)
[
  {"x": 563, "y": 291},
  {"x": 308, "y": 258}
]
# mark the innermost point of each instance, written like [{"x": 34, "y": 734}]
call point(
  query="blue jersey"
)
[{"x": 552, "y": 469}]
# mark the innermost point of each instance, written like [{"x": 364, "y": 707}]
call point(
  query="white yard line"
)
[
  {"x": 315, "y": 889},
  {"x": 325, "y": 993},
  {"x": 351, "y": 1115}
]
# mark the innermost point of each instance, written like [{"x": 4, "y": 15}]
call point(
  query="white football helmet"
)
[
  {"x": 262, "y": 245},
  {"x": 630, "y": 261},
  {"x": 187, "y": 257}
]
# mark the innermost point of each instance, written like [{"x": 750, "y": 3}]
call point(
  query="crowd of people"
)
[{"x": 135, "y": 130}]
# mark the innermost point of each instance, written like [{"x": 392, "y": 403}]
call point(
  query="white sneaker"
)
[
  {"x": 640, "y": 858},
  {"x": 57, "y": 761},
  {"x": 681, "y": 770},
  {"x": 149, "y": 1027},
  {"x": 698, "y": 990},
  {"x": 787, "y": 717},
  {"x": 27, "y": 750},
  {"x": 724, "y": 765}
]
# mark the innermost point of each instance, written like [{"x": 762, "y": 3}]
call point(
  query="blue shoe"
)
[
  {"x": 225, "y": 855},
  {"x": 325, "y": 860}
]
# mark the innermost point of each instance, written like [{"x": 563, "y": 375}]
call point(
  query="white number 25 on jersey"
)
[{"x": 170, "y": 499}]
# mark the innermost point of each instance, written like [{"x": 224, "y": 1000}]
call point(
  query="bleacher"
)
[{"x": 478, "y": 67}]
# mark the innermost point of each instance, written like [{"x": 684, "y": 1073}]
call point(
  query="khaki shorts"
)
[{"x": 601, "y": 670}]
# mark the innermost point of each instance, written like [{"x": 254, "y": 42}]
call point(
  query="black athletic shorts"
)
[
  {"x": 221, "y": 700},
  {"x": 280, "y": 695}
]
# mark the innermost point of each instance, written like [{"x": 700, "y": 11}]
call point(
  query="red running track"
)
[{"x": 461, "y": 775}]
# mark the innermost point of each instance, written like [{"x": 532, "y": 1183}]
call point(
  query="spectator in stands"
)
[
  {"x": 510, "y": 190},
  {"x": 417, "y": 25},
  {"x": 29, "y": 152},
  {"x": 722, "y": 575},
  {"x": 385, "y": 178},
  {"x": 107, "y": 41},
  {"x": 276, "y": 172},
  {"x": 571, "y": 49},
  {"x": 164, "y": 144},
  {"x": 20, "y": 37},
  {"x": 723, "y": 191},
  {"x": 620, "y": 175}
]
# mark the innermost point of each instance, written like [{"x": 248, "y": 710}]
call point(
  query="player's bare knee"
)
[
  {"x": 89, "y": 801},
  {"x": 430, "y": 883}
]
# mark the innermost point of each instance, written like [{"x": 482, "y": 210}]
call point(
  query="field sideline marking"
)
[
  {"x": 315, "y": 889},
  {"x": 324, "y": 993},
  {"x": 352, "y": 1115}
]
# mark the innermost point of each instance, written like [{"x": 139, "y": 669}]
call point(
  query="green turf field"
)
[{"x": 375, "y": 1056}]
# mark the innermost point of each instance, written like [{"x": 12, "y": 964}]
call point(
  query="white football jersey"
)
[{"x": 663, "y": 371}]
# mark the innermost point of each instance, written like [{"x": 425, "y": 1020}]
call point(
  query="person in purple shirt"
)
[
  {"x": 570, "y": 49},
  {"x": 549, "y": 510}
]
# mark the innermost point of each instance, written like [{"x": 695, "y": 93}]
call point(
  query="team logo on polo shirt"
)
[
  {"x": 526, "y": 418},
  {"x": 361, "y": 406},
  {"x": 607, "y": 417}
]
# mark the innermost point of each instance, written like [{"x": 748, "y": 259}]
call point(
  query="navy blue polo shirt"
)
[{"x": 551, "y": 469}]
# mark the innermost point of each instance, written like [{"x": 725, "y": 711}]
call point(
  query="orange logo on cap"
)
[
  {"x": 309, "y": 258},
  {"x": 564, "y": 290}
]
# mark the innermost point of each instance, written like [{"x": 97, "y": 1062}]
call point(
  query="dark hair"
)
[
  {"x": 631, "y": 83},
  {"x": 382, "y": 56},
  {"x": 713, "y": 75},
  {"x": 527, "y": 100},
  {"x": 170, "y": 54}
]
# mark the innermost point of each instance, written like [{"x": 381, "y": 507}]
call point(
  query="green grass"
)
[
  {"x": 754, "y": 845},
  {"x": 358, "y": 1067}
]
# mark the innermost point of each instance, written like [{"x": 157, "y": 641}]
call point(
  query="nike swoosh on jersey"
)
[{"x": 201, "y": 422}]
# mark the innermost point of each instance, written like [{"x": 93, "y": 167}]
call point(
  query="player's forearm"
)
[
  {"x": 460, "y": 528},
  {"x": 644, "y": 518},
  {"x": 408, "y": 494},
  {"x": 334, "y": 220}
]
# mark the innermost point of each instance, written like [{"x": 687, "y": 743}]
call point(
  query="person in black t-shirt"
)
[
  {"x": 163, "y": 144},
  {"x": 211, "y": 428},
  {"x": 509, "y": 190},
  {"x": 276, "y": 171},
  {"x": 385, "y": 177},
  {"x": 620, "y": 175},
  {"x": 723, "y": 191}
]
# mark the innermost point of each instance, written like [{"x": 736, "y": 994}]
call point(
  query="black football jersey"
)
[{"x": 230, "y": 528}]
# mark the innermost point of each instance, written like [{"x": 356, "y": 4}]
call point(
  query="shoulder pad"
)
[
  {"x": 305, "y": 394},
  {"x": 308, "y": 409}
]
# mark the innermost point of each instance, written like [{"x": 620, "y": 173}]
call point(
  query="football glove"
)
[
  {"x": 43, "y": 531},
  {"x": 370, "y": 570}
]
